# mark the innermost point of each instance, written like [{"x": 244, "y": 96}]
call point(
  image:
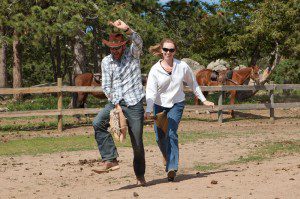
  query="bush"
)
[{"x": 287, "y": 72}]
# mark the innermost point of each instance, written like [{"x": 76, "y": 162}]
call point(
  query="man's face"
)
[{"x": 117, "y": 52}]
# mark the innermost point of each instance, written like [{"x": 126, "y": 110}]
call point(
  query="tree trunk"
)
[
  {"x": 101, "y": 50},
  {"x": 58, "y": 57},
  {"x": 3, "y": 67},
  {"x": 80, "y": 60},
  {"x": 276, "y": 57},
  {"x": 52, "y": 57},
  {"x": 255, "y": 56},
  {"x": 65, "y": 68},
  {"x": 17, "y": 66},
  {"x": 95, "y": 50}
]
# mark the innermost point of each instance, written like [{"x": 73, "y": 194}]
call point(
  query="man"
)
[{"x": 122, "y": 84}]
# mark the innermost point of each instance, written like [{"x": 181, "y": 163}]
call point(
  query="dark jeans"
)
[
  {"x": 168, "y": 144},
  {"x": 106, "y": 145}
]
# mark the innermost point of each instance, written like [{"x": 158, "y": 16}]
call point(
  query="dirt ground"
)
[{"x": 69, "y": 174}]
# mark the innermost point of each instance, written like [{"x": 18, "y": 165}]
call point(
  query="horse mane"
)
[{"x": 246, "y": 68}]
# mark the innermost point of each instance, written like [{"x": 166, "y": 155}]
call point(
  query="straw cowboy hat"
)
[{"x": 115, "y": 40}]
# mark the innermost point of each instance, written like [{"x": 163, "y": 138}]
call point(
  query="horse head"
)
[{"x": 255, "y": 74}]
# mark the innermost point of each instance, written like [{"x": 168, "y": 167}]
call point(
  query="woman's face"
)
[{"x": 168, "y": 51}]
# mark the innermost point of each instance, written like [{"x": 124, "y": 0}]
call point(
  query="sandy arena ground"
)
[{"x": 69, "y": 174}]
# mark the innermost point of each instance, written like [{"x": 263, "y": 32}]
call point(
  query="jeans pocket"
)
[{"x": 138, "y": 107}]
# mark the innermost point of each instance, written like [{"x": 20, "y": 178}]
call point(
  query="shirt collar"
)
[{"x": 175, "y": 62}]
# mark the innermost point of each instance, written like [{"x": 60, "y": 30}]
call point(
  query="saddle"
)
[
  {"x": 229, "y": 74},
  {"x": 221, "y": 76},
  {"x": 214, "y": 75}
]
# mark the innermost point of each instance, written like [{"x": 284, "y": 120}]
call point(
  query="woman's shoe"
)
[{"x": 171, "y": 175}]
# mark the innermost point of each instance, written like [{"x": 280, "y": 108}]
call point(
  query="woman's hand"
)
[
  {"x": 147, "y": 115},
  {"x": 119, "y": 24},
  {"x": 208, "y": 103}
]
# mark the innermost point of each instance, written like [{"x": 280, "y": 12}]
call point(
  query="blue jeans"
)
[
  {"x": 106, "y": 145},
  {"x": 168, "y": 144}
]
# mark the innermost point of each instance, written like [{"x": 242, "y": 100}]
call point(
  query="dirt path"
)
[{"x": 68, "y": 175}]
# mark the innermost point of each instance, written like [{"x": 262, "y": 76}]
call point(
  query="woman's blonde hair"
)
[{"x": 156, "y": 49}]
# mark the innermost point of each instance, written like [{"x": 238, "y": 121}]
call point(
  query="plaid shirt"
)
[{"x": 122, "y": 79}]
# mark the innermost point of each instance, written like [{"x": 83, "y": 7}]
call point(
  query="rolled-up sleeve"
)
[
  {"x": 190, "y": 79},
  {"x": 151, "y": 91},
  {"x": 136, "y": 45}
]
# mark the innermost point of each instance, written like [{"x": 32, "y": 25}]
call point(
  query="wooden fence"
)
[{"x": 60, "y": 112}]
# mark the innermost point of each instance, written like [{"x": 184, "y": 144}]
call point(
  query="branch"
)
[{"x": 267, "y": 72}]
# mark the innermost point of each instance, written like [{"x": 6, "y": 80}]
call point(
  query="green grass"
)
[
  {"x": 75, "y": 143},
  {"x": 281, "y": 147},
  {"x": 249, "y": 158},
  {"x": 50, "y": 125},
  {"x": 36, "y": 103},
  {"x": 27, "y": 127},
  {"x": 47, "y": 103},
  {"x": 46, "y": 145},
  {"x": 207, "y": 167},
  {"x": 211, "y": 97},
  {"x": 267, "y": 151}
]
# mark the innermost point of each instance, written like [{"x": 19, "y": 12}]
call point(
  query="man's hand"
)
[
  {"x": 147, "y": 115},
  {"x": 208, "y": 103},
  {"x": 117, "y": 106},
  {"x": 119, "y": 24}
]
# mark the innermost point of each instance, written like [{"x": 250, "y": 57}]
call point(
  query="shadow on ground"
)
[{"x": 179, "y": 178}]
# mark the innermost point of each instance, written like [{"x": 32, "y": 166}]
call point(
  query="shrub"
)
[{"x": 287, "y": 72}]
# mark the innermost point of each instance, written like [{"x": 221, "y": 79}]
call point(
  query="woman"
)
[{"x": 164, "y": 92}]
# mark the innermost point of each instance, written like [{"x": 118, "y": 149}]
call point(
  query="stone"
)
[{"x": 193, "y": 64}]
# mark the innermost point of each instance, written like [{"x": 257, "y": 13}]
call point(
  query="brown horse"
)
[
  {"x": 208, "y": 77},
  {"x": 86, "y": 79},
  {"x": 89, "y": 79},
  {"x": 237, "y": 77}
]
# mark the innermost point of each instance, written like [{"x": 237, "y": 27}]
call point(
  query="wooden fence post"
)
[
  {"x": 271, "y": 95},
  {"x": 59, "y": 105},
  {"x": 220, "y": 112}
]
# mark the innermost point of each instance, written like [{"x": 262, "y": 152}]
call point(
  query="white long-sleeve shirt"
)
[{"x": 165, "y": 90}]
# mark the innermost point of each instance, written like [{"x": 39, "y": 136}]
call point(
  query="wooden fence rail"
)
[
  {"x": 60, "y": 112},
  {"x": 56, "y": 89}
]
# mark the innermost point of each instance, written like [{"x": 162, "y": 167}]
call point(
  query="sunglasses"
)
[
  {"x": 115, "y": 48},
  {"x": 171, "y": 50}
]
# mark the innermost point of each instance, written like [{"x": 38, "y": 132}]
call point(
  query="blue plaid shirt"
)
[{"x": 122, "y": 79}]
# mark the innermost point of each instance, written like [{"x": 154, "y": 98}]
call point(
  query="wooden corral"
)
[{"x": 60, "y": 112}]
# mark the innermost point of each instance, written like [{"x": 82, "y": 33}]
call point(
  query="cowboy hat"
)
[{"x": 115, "y": 40}]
